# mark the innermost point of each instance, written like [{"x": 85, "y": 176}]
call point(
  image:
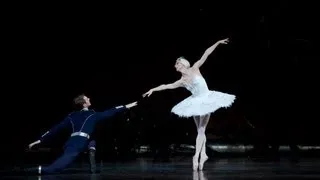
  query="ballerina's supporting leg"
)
[
  {"x": 198, "y": 144},
  {"x": 204, "y": 120},
  {"x": 201, "y": 124}
]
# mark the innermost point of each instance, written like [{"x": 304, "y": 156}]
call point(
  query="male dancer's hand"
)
[
  {"x": 131, "y": 105},
  {"x": 34, "y": 143}
]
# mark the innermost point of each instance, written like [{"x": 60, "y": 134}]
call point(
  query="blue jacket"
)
[{"x": 81, "y": 121}]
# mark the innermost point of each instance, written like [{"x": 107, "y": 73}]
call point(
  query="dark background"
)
[{"x": 115, "y": 53}]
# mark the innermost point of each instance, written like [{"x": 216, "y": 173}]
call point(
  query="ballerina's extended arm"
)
[
  {"x": 164, "y": 87},
  {"x": 204, "y": 57}
]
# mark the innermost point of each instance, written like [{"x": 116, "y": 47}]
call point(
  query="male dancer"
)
[{"x": 82, "y": 123}]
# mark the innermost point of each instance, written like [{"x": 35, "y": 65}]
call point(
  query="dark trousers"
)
[{"x": 69, "y": 155}]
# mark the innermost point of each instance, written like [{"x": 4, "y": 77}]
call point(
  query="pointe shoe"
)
[
  {"x": 195, "y": 163},
  {"x": 203, "y": 159}
]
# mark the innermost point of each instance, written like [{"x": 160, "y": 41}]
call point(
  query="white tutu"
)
[{"x": 202, "y": 101}]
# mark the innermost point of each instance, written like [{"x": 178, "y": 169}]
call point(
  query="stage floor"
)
[{"x": 181, "y": 168}]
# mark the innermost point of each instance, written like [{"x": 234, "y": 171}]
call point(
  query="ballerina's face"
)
[
  {"x": 181, "y": 64},
  {"x": 178, "y": 65}
]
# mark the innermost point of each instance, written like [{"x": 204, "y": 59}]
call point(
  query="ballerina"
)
[{"x": 201, "y": 103}]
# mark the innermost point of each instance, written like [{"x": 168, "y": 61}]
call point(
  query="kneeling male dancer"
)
[{"x": 82, "y": 123}]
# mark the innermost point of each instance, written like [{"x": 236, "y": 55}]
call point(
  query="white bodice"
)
[{"x": 198, "y": 86}]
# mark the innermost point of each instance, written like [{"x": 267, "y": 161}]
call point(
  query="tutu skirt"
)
[{"x": 203, "y": 104}]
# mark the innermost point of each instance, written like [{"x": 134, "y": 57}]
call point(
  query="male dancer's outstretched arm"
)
[
  {"x": 111, "y": 112},
  {"x": 55, "y": 129}
]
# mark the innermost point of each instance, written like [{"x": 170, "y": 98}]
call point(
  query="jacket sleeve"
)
[
  {"x": 110, "y": 112},
  {"x": 55, "y": 129}
]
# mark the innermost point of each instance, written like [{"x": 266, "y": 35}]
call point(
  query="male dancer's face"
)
[{"x": 87, "y": 102}]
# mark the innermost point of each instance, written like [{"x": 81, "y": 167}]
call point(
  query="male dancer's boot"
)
[{"x": 92, "y": 159}]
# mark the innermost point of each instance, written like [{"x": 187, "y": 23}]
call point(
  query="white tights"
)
[{"x": 201, "y": 123}]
